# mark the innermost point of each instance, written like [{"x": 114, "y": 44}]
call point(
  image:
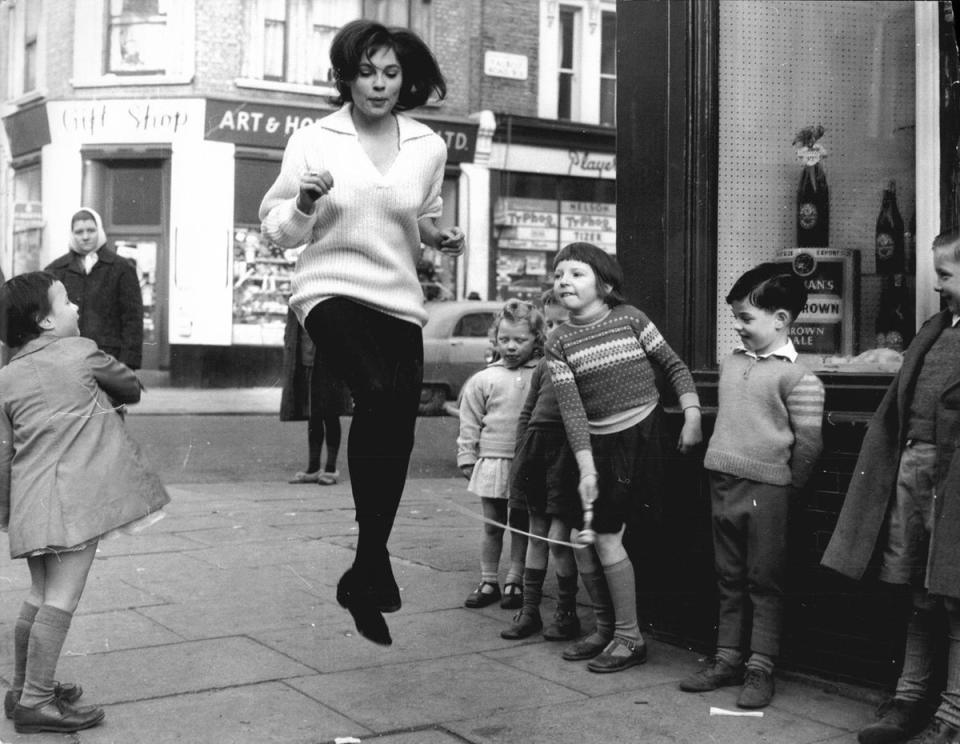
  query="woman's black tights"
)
[{"x": 380, "y": 358}]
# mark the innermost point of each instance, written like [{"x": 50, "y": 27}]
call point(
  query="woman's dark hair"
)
[
  {"x": 358, "y": 40},
  {"x": 771, "y": 287},
  {"x": 608, "y": 271},
  {"x": 24, "y": 301}
]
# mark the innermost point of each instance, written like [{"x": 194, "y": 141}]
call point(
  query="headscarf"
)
[{"x": 85, "y": 213}]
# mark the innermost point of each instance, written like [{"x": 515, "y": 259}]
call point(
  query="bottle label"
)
[
  {"x": 807, "y": 215},
  {"x": 809, "y": 156},
  {"x": 885, "y": 246}
]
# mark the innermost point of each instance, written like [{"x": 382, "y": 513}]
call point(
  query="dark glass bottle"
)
[
  {"x": 895, "y": 318},
  {"x": 813, "y": 208},
  {"x": 889, "y": 236}
]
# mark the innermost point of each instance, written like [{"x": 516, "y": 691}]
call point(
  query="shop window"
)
[
  {"x": 129, "y": 42},
  {"x": 851, "y": 69},
  {"x": 25, "y": 63},
  {"x": 262, "y": 271},
  {"x": 578, "y": 77},
  {"x": 27, "y": 218},
  {"x": 537, "y": 214},
  {"x": 290, "y": 39}
]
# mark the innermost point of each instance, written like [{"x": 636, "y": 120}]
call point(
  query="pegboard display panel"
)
[{"x": 848, "y": 65}]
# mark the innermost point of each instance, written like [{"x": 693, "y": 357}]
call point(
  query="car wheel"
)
[{"x": 432, "y": 398}]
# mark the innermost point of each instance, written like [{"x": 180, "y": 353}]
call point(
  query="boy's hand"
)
[
  {"x": 467, "y": 471},
  {"x": 451, "y": 241},
  {"x": 691, "y": 434},
  {"x": 588, "y": 490}
]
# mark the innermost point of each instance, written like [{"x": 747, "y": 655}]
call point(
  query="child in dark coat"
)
[{"x": 901, "y": 515}]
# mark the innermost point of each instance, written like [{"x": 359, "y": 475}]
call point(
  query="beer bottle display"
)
[
  {"x": 813, "y": 197},
  {"x": 895, "y": 318},
  {"x": 889, "y": 237}
]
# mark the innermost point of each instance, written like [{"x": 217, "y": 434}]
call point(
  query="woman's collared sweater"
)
[
  {"x": 363, "y": 237},
  {"x": 490, "y": 405}
]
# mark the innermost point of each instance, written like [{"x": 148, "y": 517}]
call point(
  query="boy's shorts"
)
[
  {"x": 629, "y": 474},
  {"x": 545, "y": 476},
  {"x": 909, "y": 522}
]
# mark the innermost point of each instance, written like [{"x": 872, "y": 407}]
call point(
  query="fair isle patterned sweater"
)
[
  {"x": 363, "y": 238},
  {"x": 603, "y": 372},
  {"x": 769, "y": 419}
]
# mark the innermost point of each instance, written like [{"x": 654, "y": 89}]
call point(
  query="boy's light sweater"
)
[
  {"x": 363, "y": 237},
  {"x": 605, "y": 368},
  {"x": 769, "y": 419},
  {"x": 490, "y": 405}
]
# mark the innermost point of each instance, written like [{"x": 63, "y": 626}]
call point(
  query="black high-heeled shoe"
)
[{"x": 361, "y": 602}]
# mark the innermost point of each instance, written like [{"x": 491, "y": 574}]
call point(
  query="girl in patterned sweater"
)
[
  {"x": 602, "y": 367},
  {"x": 490, "y": 405}
]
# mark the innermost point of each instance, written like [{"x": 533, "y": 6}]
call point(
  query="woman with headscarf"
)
[{"x": 104, "y": 287}]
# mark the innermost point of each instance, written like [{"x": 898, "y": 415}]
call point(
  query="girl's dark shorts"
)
[
  {"x": 629, "y": 474},
  {"x": 545, "y": 476}
]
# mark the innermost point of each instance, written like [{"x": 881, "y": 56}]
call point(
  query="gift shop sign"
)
[
  {"x": 126, "y": 121},
  {"x": 261, "y": 125}
]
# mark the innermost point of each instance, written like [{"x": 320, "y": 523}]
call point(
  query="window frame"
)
[
  {"x": 588, "y": 31},
  {"x": 299, "y": 73},
  {"x": 18, "y": 92},
  {"x": 92, "y": 44}
]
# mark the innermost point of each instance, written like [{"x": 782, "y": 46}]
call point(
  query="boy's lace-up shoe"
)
[
  {"x": 565, "y": 626},
  {"x": 619, "y": 654},
  {"x": 66, "y": 691},
  {"x": 896, "y": 720},
  {"x": 757, "y": 691},
  {"x": 718, "y": 674},
  {"x": 937, "y": 732},
  {"x": 525, "y": 624},
  {"x": 58, "y": 716}
]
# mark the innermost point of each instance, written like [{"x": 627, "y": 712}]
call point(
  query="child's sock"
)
[
  {"x": 731, "y": 656},
  {"x": 596, "y": 586},
  {"x": 488, "y": 572},
  {"x": 760, "y": 661},
  {"x": 21, "y": 641},
  {"x": 517, "y": 577},
  {"x": 47, "y": 635},
  {"x": 532, "y": 589},
  {"x": 566, "y": 593},
  {"x": 623, "y": 592}
]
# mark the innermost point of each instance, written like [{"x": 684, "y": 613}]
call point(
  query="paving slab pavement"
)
[{"x": 219, "y": 625}]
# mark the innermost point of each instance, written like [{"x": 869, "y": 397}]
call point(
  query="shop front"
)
[
  {"x": 551, "y": 184},
  {"x": 822, "y": 135},
  {"x": 179, "y": 184}
]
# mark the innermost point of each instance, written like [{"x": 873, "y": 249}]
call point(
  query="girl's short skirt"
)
[
  {"x": 491, "y": 478},
  {"x": 545, "y": 476},
  {"x": 629, "y": 474}
]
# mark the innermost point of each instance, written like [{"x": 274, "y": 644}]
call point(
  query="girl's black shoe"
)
[{"x": 360, "y": 601}]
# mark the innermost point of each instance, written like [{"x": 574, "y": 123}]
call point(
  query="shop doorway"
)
[{"x": 132, "y": 194}]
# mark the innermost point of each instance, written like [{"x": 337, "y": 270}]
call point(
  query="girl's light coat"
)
[{"x": 69, "y": 471}]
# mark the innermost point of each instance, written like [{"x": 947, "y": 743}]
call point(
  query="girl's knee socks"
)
[
  {"x": 21, "y": 640},
  {"x": 596, "y": 586},
  {"x": 47, "y": 635},
  {"x": 623, "y": 592},
  {"x": 567, "y": 593},
  {"x": 533, "y": 589}
]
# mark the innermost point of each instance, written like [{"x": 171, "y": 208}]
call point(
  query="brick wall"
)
[{"x": 510, "y": 26}]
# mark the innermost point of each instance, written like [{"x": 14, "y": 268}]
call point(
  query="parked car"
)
[{"x": 456, "y": 343}]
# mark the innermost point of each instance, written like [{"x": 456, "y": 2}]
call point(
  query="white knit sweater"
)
[{"x": 363, "y": 238}]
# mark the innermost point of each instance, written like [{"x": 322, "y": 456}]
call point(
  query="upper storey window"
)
[
  {"x": 132, "y": 42},
  {"x": 578, "y": 80}
]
